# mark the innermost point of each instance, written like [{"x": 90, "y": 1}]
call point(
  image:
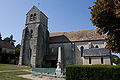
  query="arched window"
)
[
  {"x": 96, "y": 46},
  {"x": 82, "y": 50},
  {"x": 31, "y": 33},
  {"x": 34, "y": 17},
  {"x": 30, "y": 53},
  {"x": 102, "y": 62},
  {"x": 0, "y": 49},
  {"x": 52, "y": 50},
  {"x": 31, "y": 17},
  {"x": 90, "y": 61},
  {"x": 5, "y": 51}
]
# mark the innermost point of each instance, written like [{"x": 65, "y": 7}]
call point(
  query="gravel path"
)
[
  {"x": 16, "y": 70},
  {"x": 29, "y": 76}
]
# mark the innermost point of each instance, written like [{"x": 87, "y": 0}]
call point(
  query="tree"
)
[
  {"x": 106, "y": 17},
  {"x": 7, "y": 39},
  {"x": 115, "y": 59},
  {"x": 0, "y": 37},
  {"x": 17, "y": 53},
  {"x": 10, "y": 39}
]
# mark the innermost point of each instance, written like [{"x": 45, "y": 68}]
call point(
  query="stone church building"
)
[{"x": 39, "y": 48}]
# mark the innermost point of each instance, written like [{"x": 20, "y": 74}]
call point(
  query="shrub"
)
[{"x": 92, "y": 72}]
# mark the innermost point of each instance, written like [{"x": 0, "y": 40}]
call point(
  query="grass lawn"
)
[
  {"x": 4, "y": 67},
  {"x": 13, "y": 75}
]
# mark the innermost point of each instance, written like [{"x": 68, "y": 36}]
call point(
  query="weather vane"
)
[{"x": 38, "y": 4}]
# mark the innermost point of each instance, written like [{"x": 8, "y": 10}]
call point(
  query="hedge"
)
[{"x": 93, "y": 72}]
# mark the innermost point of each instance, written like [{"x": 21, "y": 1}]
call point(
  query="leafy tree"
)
[
  {"x": 106, "y": 17},
  {"x": 7, "y": 39},
  {"x": 0, "y": 37},
  {"x": 10, "y": 39},
  {"x": 18, "y": 46},
  {"x": 17, "y": 53},
  {"x": 115, "y": 59},
  {"x": 17, "y": 49}
]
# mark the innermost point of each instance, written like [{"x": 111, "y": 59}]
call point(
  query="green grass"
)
[
  {"x": 13, "y": 75},
  {"x": 4, "y": 67}
]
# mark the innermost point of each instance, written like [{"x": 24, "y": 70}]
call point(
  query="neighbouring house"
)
[
  {"x": 7, "y": 52},
  {"x": 40, "y": 48}
]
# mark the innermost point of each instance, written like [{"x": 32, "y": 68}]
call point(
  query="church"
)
[{"x": 40, "y": 48}]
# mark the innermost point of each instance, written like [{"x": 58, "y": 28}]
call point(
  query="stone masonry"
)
[
  {"x": 40, "y": 48},
  {"x": 34, "y": 38}
]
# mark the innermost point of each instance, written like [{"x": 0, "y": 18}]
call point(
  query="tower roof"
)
[{"x": 33, "y": 8}]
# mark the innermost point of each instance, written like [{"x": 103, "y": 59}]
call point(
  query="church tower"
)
[{"x": 34, "y": 38}]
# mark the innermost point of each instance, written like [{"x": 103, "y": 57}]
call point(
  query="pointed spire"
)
[{"x": 33, "y": 8}]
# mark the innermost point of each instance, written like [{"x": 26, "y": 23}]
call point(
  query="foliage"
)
[
  {"x": 0, "y": 37},
  {"x": 106, "y": 17},
  {"x": 116, "y": 59},
  {"x": 18, "y": 46},
  {"x": 92, "y": 72},
  {"x": 7, "y": 39},
  {"x": 17, "y": 50},
  {"x": 17, "y": 53},
  {"x": 10, "y": 39}
]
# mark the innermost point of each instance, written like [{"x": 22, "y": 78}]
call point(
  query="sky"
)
[{"x": 63, "y": 15}]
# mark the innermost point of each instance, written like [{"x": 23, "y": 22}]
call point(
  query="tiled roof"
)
[
  {"x": 4, "y": 44},
  {"x": 74, "y": 36},
  {"x": 96, "y": 52}
]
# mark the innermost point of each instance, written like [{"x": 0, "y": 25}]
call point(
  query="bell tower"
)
[{"x": 34, "y": 38}]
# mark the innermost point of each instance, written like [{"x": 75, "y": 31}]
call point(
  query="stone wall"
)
[
  {"x": 72, "y": 51},
  {"x": 34, "y": 38},
  {"x": 67, "y": 52},
  {"x": 96, "y": 60},
  {"x": 78, "y": 60}
]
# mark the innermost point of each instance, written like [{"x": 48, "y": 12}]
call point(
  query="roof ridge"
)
[{"x": 74, "y": 31}]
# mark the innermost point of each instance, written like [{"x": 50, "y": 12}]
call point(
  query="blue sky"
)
[{"x": 64, "y": 15}]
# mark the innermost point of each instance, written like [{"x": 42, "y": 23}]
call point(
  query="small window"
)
[
  {"x": 31, "y": 33},
  {"x": 34, "y": 17},
  {"x": 102, "y": 62},
  {"x": 89, "y": 60},
  {"x": 73, "y": 45},
  {"x": 52, "y": 50},
  {"x": 30, "y": 53},
  {"x": 82, "y": 50},
  {"x": 96, "y": 46},
  {"x": 5, "y": 51},
  {"x": 31, "y": 17},
  {"x": 0, "y": 49}
]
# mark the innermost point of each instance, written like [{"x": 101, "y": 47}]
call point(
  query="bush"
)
[{"x": 93, "y": 72}]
